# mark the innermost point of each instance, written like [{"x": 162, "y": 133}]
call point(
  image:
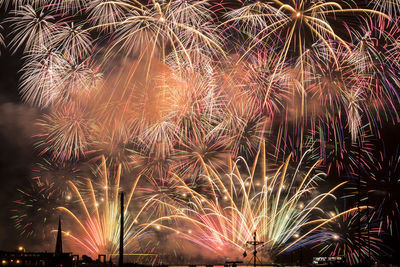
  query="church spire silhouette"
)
[{"x": 59, "y": 239}]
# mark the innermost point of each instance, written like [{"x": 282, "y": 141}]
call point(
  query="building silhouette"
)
[
  {"x": 22, "y": 258},
  {"x": 59, "y": 239}
]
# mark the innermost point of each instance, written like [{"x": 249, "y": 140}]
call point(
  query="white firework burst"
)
[
  {"x": 39, "y": 77},
  {"x": 157, "y": 26},
  {"x": 107, "y": 13},
  {"x": 30, "y": 27},
  {"x": 50, "y": 77},
  {"x": 73, "y": 39}
]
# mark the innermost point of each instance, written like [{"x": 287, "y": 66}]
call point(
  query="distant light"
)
[
  {"x": 68, "y": 197},
  {"x": 18, "y": 261},
  {"x": 20, "y": 248},
  {"x": 225, "y": 198},
  {"x": 4, "y": 262},
  {"x": 298, "y": 14},
  {"x": 189, "y": 231},
  {"x": 296, "y": 235},
  {"x": 158, "y": 227},
  {"x": 335, "y": 236}
]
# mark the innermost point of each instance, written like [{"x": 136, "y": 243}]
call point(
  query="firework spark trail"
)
[
  {"x": 54, "y": 176},
  {"x": 107, "y": 13},
  {"x": 289, "y": 21},
  {"x": 340, "y": 154},
  {"x": 51, "y": 77},
  {"x": 380, "y": 179},
  {"x": 33, "y": 212},
  {"x": 30, "y": 27},
  {"x": 337, "y": 83},
  {"x": 340, "y": 237},
  {"x": 187, "y": 33},
  {"x": 39, "y": 77},
  {"x": 2, "y": 44},
  {"x": 390, "y": 7},
  {"x": 95, "y": 229},
  {"x": 72, "y": 39},
  {"x": 236, "y": 206},
  {"x": 151, "y": 28},
  {"x": 64, "y": 133}
]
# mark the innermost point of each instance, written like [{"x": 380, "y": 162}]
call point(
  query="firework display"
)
[
  {"x": 275, "y": 207},
  {"x": 221, "y": 117},
  {"x": 96, "y": 225},
  {"x": 381, "y": 181},
  {"x": 341, "y": 237}
]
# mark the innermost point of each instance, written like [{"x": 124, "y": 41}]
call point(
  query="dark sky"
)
[{"x": 16, "y": 153}]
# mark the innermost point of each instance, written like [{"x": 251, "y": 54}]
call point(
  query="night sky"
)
[{"x": 17, "y": 153}]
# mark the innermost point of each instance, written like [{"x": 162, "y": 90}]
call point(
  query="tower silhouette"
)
[
  {"x": 59, "y": 239},
  {"x": 121, "y": 233}
]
